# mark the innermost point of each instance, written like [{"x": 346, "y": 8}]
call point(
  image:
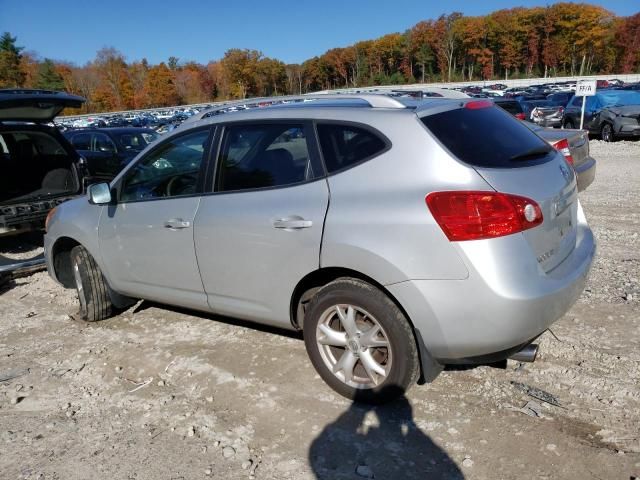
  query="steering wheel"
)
[{"x": 179, "y": 185}]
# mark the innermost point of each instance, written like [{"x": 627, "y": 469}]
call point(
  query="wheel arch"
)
[
  {"x": 62, "y": 269},
  {"x": 314, "y": 281},
  {"x": 61, "y": 260}
]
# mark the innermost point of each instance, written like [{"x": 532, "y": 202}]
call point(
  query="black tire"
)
[
  {"x": 93, "y": 292},
  {"x": 607, "y": 133},
  {"x": 404, "y": 368},
  {"x": 568, "y": 124}
]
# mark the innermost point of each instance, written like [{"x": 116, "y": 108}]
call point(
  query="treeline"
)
[{"x": 561, "y": 39}]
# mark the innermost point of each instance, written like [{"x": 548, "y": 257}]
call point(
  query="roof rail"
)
[{"x": 374, "y": 101}]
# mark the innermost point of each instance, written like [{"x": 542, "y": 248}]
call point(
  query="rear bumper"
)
[
  {"x": 549, "y": 122},
  {"x": 627, "y": 130},
  {"x": 506, "y": 301},
  {"x": 586, "y": 173}
]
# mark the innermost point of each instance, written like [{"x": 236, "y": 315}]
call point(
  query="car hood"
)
[
  {"x": 40, "y": 106},
  {"x": 625, "y": 111}
]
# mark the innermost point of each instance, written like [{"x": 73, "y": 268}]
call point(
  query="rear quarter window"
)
[
  {"x": 346, "y": 145},
  {"x": 488, "y": 137}
]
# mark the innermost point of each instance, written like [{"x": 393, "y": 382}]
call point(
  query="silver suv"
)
[{"x": 399, "y": 236}]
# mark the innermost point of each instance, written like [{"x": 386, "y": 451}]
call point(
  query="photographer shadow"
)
[{"x": 381, "y": 442}]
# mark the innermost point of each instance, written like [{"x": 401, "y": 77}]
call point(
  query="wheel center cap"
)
[{"x": 354, "y": 346}]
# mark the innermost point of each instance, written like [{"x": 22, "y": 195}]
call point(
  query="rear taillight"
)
[
  {"x": 563, "y": 147},
  {"x": 468, "y": 215},
  {"x": 520, "y": 116}
]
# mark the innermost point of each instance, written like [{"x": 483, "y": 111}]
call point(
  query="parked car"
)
[
  {"x": 38, "y": 167},
  {"x": 543, "y": 112},
  {"x": 108, "y": 150},
  {"x": 512, "y": 106},
  {"x": 574, "y": 146},
  {"x": 609, "y": 113},
  {"x": 454, "y": 234}
]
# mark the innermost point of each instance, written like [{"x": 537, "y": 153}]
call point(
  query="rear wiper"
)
[{"x": 533, "y": 153}]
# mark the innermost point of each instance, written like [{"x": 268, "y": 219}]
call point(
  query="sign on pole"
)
[{"x": 584, "y": 89}]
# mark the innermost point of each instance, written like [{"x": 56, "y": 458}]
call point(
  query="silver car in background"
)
[{"x": 399, "y": 236}]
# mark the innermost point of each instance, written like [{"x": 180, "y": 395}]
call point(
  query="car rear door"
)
[
  {"x": 146, "y": 238},
  {"x": 260, "y": 232}
]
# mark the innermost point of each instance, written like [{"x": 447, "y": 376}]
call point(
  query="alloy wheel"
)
[{"x": 354, "y": 346}]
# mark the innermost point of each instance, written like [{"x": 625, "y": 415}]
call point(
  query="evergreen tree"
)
[
  {"x": 48, "y": 77},
  {"x": 10, "y": 73}
]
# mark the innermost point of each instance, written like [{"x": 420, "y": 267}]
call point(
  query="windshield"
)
[{"x": 619, "y": 98}]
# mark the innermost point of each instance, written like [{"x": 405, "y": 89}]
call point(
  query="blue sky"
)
[{"x": 202, "y": 30}]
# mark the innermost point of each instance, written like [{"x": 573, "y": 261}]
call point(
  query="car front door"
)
[
  {"x": 146, "y": 238},
  {"x": 104, "y": 153},
  {"x": 260, "y": 232}
]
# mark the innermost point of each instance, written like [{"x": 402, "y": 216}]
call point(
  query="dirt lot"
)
[{"x": 158, "y": 393}]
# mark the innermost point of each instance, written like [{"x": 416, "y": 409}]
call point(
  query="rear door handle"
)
[
  {"x": 176, "y": 224},
  {"x": 293, "y": 224}
]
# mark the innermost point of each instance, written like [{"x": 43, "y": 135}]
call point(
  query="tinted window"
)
[
  {"x": 102, "y": 143},
  {"x": 512, "y": 107},
  {"x": 81, "y": 141},
  {"x": 345, "y": 145},
  {"x": 169, "y": 171},
  {"x": 261, "y": 156},
  {"x": 487, "y": 137}
]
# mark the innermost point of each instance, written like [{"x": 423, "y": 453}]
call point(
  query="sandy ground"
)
[{"x": 157, "y": 393}]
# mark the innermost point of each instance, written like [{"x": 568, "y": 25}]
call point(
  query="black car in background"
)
[
  {"x": 610, "y": 113},
  {"x": 108, "y": 150},
  {"x": 512, "y": 106}
]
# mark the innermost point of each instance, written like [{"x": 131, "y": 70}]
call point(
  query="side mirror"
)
[{"x": 99, "y": 193}]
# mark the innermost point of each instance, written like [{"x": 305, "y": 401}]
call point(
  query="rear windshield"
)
[
  {"x": 488, "y": 137},
  {"x": 512, "y": 107}
]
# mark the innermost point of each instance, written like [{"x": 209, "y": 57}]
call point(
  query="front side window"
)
[
  {"x": 172, "y": 170},
  {"x": 262, "y": 156},
  {"x": 102, "y": 143},
  {"x": 346, "y": 145}
]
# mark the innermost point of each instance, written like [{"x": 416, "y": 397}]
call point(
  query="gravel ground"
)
[{"x": 160, "y": 393}]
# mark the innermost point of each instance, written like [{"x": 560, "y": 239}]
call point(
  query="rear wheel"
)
[
  {"x": 91, "y": 286},
  {"x": 607, "y": 133},
  {"x": 360, "y": 342},
  {"x": 568, "y": 124}
]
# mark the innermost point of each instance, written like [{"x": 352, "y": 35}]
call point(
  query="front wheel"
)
[
  {"x": 91, "y": 286},
  {"x": 360, "y": 342},
  {"x": 607, "y": 133},
  {"x": 568, "y": 124}
]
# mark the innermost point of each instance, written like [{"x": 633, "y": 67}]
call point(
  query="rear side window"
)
[
  {"x": 346, "y": 145},
  {"x": 81, "y": 141},
  {"x": 488, "y": 137},
  {"x": 262, "y": 156}
]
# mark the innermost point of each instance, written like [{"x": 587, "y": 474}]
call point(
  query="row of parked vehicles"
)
[
  {"x": 454, "y": 233},
  {"x": 156, "y": 119},
  {"x": 611, "y": 114}
]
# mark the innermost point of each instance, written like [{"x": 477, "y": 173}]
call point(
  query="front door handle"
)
[
  {"x": 176, "y": 224},
  {"x": 292, "y": 223}
]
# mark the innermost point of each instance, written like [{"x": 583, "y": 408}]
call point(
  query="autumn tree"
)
[
  {"x": 160, "y": 88},
  {"x": 627, "y": 42}
]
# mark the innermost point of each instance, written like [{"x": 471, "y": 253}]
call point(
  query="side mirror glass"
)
[{"x": 99, "y": 193}]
